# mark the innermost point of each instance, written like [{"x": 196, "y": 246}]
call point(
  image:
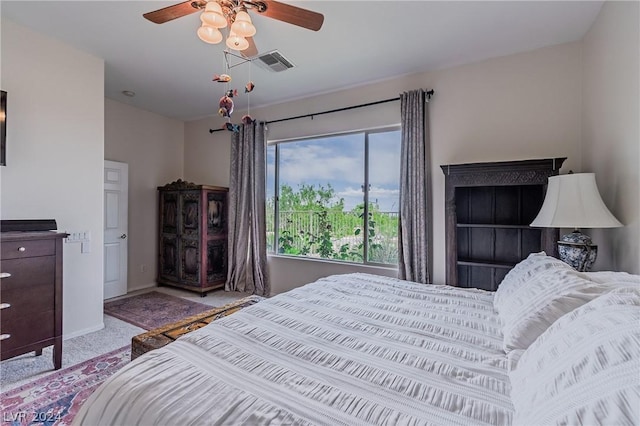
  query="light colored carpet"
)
[
  {"x": 116, "y": 333},
  {"x": 24, "y": 368}
]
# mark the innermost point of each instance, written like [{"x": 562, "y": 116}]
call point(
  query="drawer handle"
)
[
  {"x": 4, "y": 275},
  {"x": 5, "y": 305},
  {"x": 22, "y": 249},
  {"x": 4, "y": 336}
]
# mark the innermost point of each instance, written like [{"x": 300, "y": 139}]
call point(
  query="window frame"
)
[{"x": 365, "y": 189}]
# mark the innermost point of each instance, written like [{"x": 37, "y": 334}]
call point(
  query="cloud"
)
[
  {"x": 386, "y": 198},
  {"x": 339, "y": 161},
  {"x": 322, "y": 161},
  {"x": 374, "y": 191},
  {"x": 384, "y": 192},
  {"x": 384, "y": 158}
]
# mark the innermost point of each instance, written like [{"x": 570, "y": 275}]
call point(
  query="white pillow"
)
[
  {"x": 547, "y": 296},
  {"x": 585, "y": 368},
  {"x": 612, "y": 277},
  {"x": 522, "y": 273}
]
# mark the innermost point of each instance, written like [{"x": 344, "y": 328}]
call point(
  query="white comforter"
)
[{"x": 347, "y": 349}]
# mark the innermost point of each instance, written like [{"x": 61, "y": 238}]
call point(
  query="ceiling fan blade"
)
[
  {"x": 250, "y": 51},
  {"x": 291, "y": 14},
  {"x": 170, "y": 13}
]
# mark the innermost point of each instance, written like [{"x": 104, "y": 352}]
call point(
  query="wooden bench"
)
[{"x": 162, "y": 336}]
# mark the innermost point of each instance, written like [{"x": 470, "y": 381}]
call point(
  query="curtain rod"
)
[{"x": 429, "y": 93}]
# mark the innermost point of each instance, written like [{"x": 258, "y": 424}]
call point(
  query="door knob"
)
[{"x": 123, "y": 236}]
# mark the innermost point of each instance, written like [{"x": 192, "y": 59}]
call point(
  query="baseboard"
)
[
  {"x": 83, "y": 332},
  {"x": 141, "y": 287}
]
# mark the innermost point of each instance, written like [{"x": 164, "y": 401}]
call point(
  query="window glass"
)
[
  {"x": 384, "y": 196},
  {"x": 271, "y": 197},
  {"x": 316, "y": 191}
]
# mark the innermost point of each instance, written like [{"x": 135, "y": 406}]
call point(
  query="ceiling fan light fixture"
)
[
  {"x": 236, "y": 42},
  {"x": 242, "y": 25},
  {"x": 218, "y": 14},
  {"x": 213, "y": 15},
  {"x": 209, "y": 34}
]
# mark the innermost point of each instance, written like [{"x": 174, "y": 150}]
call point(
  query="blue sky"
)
[{"x": 339, "y": 161}]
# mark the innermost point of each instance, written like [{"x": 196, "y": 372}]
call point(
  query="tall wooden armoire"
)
[
  {"x": 488, "y": 209},
  {"x": 193, "y": 236}
]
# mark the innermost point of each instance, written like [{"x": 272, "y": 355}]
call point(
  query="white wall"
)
[
  {"x": 153, "y": 146},
  {"x": 610, "y": 128},
  {"x": 516, "y": 107},
  {"x": 55, "y": 140}
]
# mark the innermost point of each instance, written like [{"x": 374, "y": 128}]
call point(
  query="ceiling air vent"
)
[{"x": 273, "y": 61}]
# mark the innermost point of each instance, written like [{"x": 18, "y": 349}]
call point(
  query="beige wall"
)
[
  {"x": 610, "y": 128},
  {"x": 206, "y": 156},
  {"x": 517, "y": 107},
  {"x": 153, "y": 146},
  {"x": 55, "y": 142},
  {"x": 288, "y": 273}
]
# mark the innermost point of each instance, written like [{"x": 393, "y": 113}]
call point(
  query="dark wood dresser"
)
[
  {"x": 488, "y": 209},
  {"x": 193, "y": 236},
  {"x": 31, "y": 293}
]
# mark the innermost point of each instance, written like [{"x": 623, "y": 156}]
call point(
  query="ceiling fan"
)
[{"x": 232, "y": 10}]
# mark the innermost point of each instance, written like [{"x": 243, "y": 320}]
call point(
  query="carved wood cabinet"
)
[
  {"x": 31, "y": 293},
  {"x": 488, "y": 209},
  {"x": 193, "y": 236}
]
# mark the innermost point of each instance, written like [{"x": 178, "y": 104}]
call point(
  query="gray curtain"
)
[
  {"x": 247, "y": 251},
  {"x": 415, "y": 212}
]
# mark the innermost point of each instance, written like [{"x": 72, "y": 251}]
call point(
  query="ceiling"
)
[{"x": 171, "y": 70}]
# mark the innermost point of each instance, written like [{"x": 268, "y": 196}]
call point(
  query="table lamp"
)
[{"x": 573, "y": 201}]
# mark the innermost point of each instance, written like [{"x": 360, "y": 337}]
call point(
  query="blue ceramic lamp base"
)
[{"x": 577, "y": 250}]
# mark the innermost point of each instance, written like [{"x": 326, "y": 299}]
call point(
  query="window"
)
[{"x": 335, "y": 197}]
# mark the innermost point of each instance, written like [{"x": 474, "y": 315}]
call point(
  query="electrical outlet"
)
[
  {"x": 143, "y": 268},
  {"x": 78, "y": 237}
]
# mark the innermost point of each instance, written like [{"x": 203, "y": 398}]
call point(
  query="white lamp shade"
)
[
  {"x": 236, "y": 42},
  {"x": 209, "y": 34},
  {"x": 242, "y": 26},
  {"x": 573, "y": 201},
  {"x": 213, "y": 16}
]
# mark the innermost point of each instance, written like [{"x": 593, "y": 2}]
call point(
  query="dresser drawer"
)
[
  {"x": 25, "y": 329},
  {"x": 21, "y": 249},
  {"x": 31, "y": 286},
  {"x": 31, "y": 293}
]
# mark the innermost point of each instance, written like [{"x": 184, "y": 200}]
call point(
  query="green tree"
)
[
  {"x": 304, "y": 224},
  {"x": 313, "y": 222}
]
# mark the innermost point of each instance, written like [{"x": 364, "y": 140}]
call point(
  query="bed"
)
[{"x": 364, "y": 349}]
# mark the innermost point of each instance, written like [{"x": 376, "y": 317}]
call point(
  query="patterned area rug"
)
[
  {"x": 56, "y": 399},
  {"x": 154, "y": 309}
]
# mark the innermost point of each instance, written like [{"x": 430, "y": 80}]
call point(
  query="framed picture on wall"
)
[{"x": 3, "y": 128}]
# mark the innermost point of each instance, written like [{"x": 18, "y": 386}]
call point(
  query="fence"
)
[{"x": 302, "y": 233}]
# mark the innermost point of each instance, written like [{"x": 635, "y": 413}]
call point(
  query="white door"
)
[{"x": 116, "y": 189}]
